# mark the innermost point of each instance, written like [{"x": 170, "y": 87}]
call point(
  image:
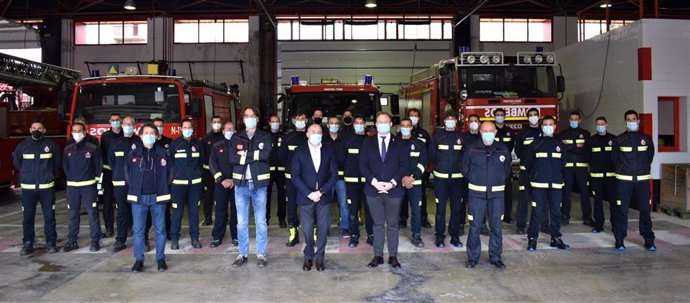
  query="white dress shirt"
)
[{"x": 315, "y": 152}]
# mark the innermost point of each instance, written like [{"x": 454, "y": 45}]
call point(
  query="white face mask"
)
[
  {"x": 78, "y": 137},
  {"x": 414, "y": 120},
  {"x": 474, "y": 126},
  {"x": 533, "y": 120},
  {"x": 216, "y": 127}
]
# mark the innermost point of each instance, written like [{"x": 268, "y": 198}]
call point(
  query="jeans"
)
[
  {"x": 246, "y": 194},
  {"x": 139, "y": 213},
  {"x": 341, "y": 190}
]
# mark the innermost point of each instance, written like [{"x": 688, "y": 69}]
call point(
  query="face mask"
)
[
  {"x": 318, "y": 120},
  {"x": 78, "y": 137},
  {"x": 601, "y": 129},
  {"x": 489, "y": 137},
  {"x": 37, "y": 134},
  {"x": 215, "y": 127},
  {"x": 574, "y": 124},
  {"x": 474, "y": 126},
  {"x": 160, "y": 130},
  {"x": 500, "y": 119},
  {"x": 315, "y": 139},
  {"x": 333, "y": 128},
  {"x": 275, "y": 126},
  {"x": 187, "y": 133},
  {"x": 347, "y": 120},
  {"x": 414, "y": 120},
  {"x": 300, "y": 124},
  {"x": 148, "y": 140},
  {"x": 548, "y": 130},
  {"x": 115, "y": 124},
  {"x": 250, "y": 122},
  {"x": 383, "y": 128},
  {"x": 632, "y": 126},
  {"x": 533, "y": 120},
  {"x": 450, "y": 123},
  {"x": 405, "y": 131},
  {"x": 359, "y": 128},
  {"x": 228, "y": 135},
  {"x": 127, "y": 130}
]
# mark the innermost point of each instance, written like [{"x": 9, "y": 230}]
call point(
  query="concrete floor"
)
[{"x": 591, "y": 271}]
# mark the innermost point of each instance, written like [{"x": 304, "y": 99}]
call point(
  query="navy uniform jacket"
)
[
  {"x": 37, "y": 161},
  {"x": 208, "y": 142},
  {"x": 571, "y": 138},
  {"x": 421, "y": 135},
  {"x": 107, "y": 138},
  {"x": 134, "y": 175},
  {"x": 598, "y": 155},
  {"x": 87, "y": 138},
  {"x": 82, "y": 164},
  {"x": 306, "y": 179},
  {"x": 445, "y": 151},
  {"x": 219, "y": 163},
  {"x": 291, "y": 141},
  {"x": 468, "y": 138},
  {"x": 349, "y": 152},
  {"x": 545, "y": 160},
  {"x": 337, "y": 145},
  {"x": 505, "y": 136},
  {"x": 164, "y": 142},
  {"x": 185, "y": 168},
  {"x": 275, "y": 163},
  {"x": 117, "y": 157},
  {"x": 258, "y": 153},
  {"x": 394, "y": 168},
  {"x": 523, "y": 141},
  {"x": 486, "y": 169},
  {"x": 418, "y": 157},
  {"x": 632, "y": 155}
]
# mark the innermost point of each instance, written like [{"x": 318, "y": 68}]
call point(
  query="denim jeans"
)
[
  {"x": 341, "y": 191},
  {"x": 140, "y": 211},
  {"x": 245, "y": 194}
]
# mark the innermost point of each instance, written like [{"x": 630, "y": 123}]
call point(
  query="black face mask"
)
[
  {"x": 347, "y": 120},
  {"x": 318, "y": 120},
  {"x": 37, "y": 135}
]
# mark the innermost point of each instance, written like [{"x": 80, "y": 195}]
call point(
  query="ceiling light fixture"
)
[
  {"x": 130, "y": 5},
  {"x": 370, "y": 4},
  {"x": 605, "y": 4}
]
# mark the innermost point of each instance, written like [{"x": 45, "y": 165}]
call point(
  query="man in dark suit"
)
[
  {"x": 314, "y": 172},
  {"x": 384, "y": 162}
]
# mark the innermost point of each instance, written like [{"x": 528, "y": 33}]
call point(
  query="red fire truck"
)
[{"x": 480, "y": 82}]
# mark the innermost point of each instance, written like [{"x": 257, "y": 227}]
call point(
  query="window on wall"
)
[
  {"x": 515, "y": 30},
  {"x": 671, "y": 130},
  {"x": 211, "y": 30},
  {"x": 110, "y": 32},
  {"x": 589, "y": 28}
]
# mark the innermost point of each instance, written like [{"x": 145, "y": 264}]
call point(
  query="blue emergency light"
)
[
  {"x": 368, "y": 79},
  {"x": 95, "y": 73},
  {"x": 294, "y": 80}
]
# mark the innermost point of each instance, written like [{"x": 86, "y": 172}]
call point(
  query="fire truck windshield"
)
[
  {"x": 334, "y": 104},
  {"x": 143, "y": 101},
  {"x": 509, "y": 82}
]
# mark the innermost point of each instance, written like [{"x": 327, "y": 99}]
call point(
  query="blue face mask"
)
[
  {"x": 405, "y": 131},
  {"x": 187, "y": 133},
  {"x": 601, "y": 129},
  {"x": 383, "y": 128},
  {"x": 574, "y": 124},
  {"x": 488, "y": 137},
  {"x": 548, "y": 130},
  {"x": 333, "y": 128},
  {"x": 127, "y": 130},
  {"x": 148, "y": 140},
  {"x": 300, "y": 124},
  {"x": 250, "y": 122},
  {"x": 359, "y": 128},
  {"x": 500, "y": 119},
  {"x": 228, "y": 135},
  {"x": 275, "y": 126},
  {"x": 632, "y": 126},
  {"x": 115, "y": 124},
  {"x": 450, "y": 123},
  {"x": 315, "y": 139}
]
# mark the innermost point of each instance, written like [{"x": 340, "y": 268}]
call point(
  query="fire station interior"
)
[{"x": 65, "y": 60}]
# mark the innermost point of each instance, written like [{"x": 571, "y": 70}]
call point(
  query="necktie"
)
[{"x": 383, "y": 149}]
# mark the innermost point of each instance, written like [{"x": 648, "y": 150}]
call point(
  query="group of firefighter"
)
[{"x": 141, "y": 172}]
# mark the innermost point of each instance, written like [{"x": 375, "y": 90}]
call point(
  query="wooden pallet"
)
[{"x": 675, "y": 212}]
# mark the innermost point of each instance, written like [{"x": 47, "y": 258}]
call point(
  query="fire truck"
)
[
  {"x": 480, "y": 82},
  {"x": 30, "y": 91}
]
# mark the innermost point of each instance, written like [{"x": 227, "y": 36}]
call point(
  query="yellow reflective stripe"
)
[
  {"x": 528, "y": 142},
  {"x": 195, "y": 155},
  {"x": 243, "y": 159},
  {"x": 364, "y": 179},
  {"x": 456, "y": 175},
  {"x": 498, "y": 188},
  {"x": 618, "y": 202},
  {"x": 542, "y": 155},
  {"x": 610, "y": 174},
  {"x": 596, "y": 175},
  {"x": 569, "y": 164},
  {"x": 440, "y": 175},
  {"x": 281, "y": 168},
  {"x": 28, "y": 156},
  {"x": 94, "y": 205},
  {"x": 272, "y": 168},
  {"x": 119, "y": 154},
  {"x": 288, "y": 176},
  {"x": 507, "y": 139},
  {"x": 546, "y": 185},
  {"x": 477, "y": 187},
  {"x": 180, "y": 155},
  {"x": 263, "y": 177},
  {"x": 351, "y": 179},
  {"x": 521, "y": 187},
  {"x": 106, "y": 166},
  {"x": 349, "y": 201},
  {"x": 626, "y": 149},
  {"x": 174, "y": 205},
  {"x": 596, "y": 149},
  {"x": 186, "y": 182},
  {"x": 81, "y": 183},
  {"x": 443, "y": 147},
  {"x": 132, "y": 198},
  {"x": 556, "y": 155},
  {"x": 581, "y": 164},
  {"x": 417, "y": 182},
  {"x": 580, "y": 141},
  {"x": 46, "y": 185},
  {"x": 341, "y": 173},
  {"x": 568, "y": 141},
  {"x": 608, "y": 148},
  {"x": 256, "y": 155},
  {"x": 353, "y": 151},
  {"x": 414, "y": 154},
  {"x": 237, "y": 176},
  {"x": 457, "y": 147},
  {"x": 639, "y": 148},
  {"x": 557, "y": 185},
  {"x": 446, "y": 176},
  {"x": 522, "y": 167},
  {"x": 205, "y": 166},
  {"x": 633, "y": 178},
  {"x": 470, "y": 217},
  {"x": 37, "y": 186},
  {"x": 534, "y": 204},
  {"x": 45, "y": 156},
  {"x": 217, "y": 175},
  {"x": 292, "y": 147},
  {"x": 118, "y": 183},
  {"x": 421, "y": 167},
  {"x": 421, "y": 139},
  {"x": 162, "y": 198}
]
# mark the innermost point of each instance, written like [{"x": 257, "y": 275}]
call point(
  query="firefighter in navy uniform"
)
[
  {"x": 601, "y": 172},
  {"x": 504, "y": 134},
  {"x": 354, "y": 182},
  {"x": 117, "y": 157},
  {"x": 163, "y": 141},
  {"x": 485, "y": 164},
  {"x": 445, "y": 152},
  {"x": 523, "y": 141},
  {"x": 185, "y": 173},
  {"x": 575, "y": 138},
  {"x": 87, "y": 137},
  {"x": 82, "y": 165},
  {"x": 421, "y": 135},
  {"x": 632, "y": 154},
  {"x": 468, "y": 138},
  {"x": 277, "y": 173},
  {"x": 220, "y": 167},
  {"x": 545, "y": 161},
  {"x": 107, "y": 138},
  {"x": 291, "y": 141},
  {"x": 211, "y": 138},
  {"x": 413, "y": 182},
  {"x": 37, "y": 159}
]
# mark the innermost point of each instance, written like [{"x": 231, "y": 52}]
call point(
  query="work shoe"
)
[
  {"x": 471, "y": 263},
  {"x": 175, "y": 244},
  {"x": 70, "y": 247},
  {"x": 417, "y": 240},
  {"x": 293, "y": 238},
  {"x": 51, "y": 249},
  {"x": 619, "y": 245},
  {"x": 261, "y": 261},
  {"x": 196, "y": 244},
  {"x": 354, "y": 241},
  {"x": 239, "y": 261},
  {"x": 597, "y": 230},
  {"x": 498, "y": 264},
  {"x": 27, "y": 249},
  {"x": 532, "y": 244},
  {"x": 138, "y": 266},
  {"x": 589, "y": 222},
  {"x": 162, "y": 266},
  {"x": 649, "y": 245},
  {"x": 119, "y": 245},
  {"x": 235, "y": 242},
  {"x": 439, "y": 243},
  {"x": 455, "y": 242},
  {"x": 95, "y": 246},
  {"x": 558, "y": 243},
  {"x": 216, "y": 243}
]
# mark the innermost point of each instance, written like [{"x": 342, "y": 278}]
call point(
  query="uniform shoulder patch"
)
[
  {"x": 261, "y": 145},
  {"x": 502, "y": 158},
  {"x": 163, "y": 162},
  {"x": 46, "y": 149},
  {"x": 610, "y": 142},
  {"x": 412, "y": 146},
  {"x": 643, "y": 142},
  {"x": 558, "y": 148},
  {"x": 220, "y": 150},
  {"x": 87, "y": 155},
  {"x": 581, "y": 136},
  {"x": 459, "y": 141},
  {"x": 134, "y": 146},
  {"x": 193, "y": 148}
]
